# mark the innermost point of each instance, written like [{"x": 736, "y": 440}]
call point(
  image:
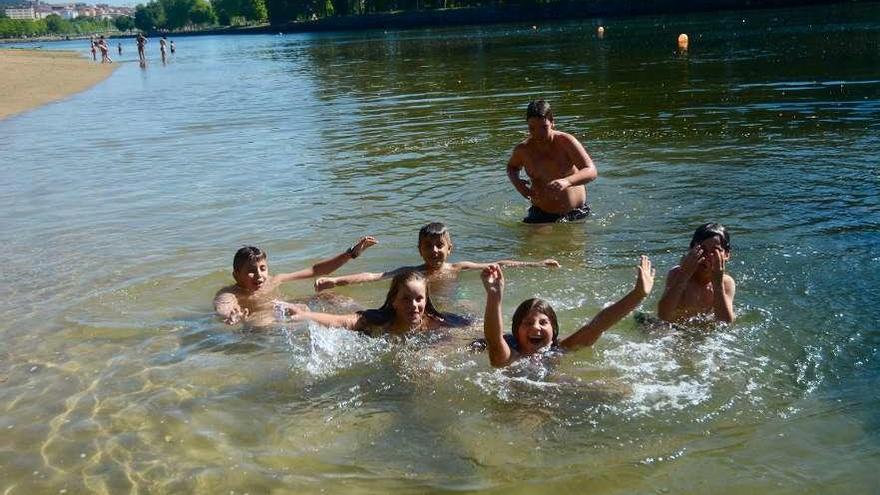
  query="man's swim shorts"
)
[{"x": 537, "y": 215}]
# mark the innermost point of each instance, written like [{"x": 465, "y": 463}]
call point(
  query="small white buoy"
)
[{"x": 683, "y": 41}]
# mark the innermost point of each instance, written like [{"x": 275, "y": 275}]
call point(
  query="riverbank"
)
[{"x": 31, "y": 78}]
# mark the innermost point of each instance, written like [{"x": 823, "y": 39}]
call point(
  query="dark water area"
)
[{"x": 125, "y": 204}]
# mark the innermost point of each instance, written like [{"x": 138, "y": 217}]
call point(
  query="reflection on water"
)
[{"x": 127, "y": 202}]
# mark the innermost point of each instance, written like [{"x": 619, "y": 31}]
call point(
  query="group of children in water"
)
[{"x": 557, "y": 166}]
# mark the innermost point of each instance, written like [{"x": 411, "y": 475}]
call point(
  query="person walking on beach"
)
[
  {"x": 172, "y": 47},
  {"x": 141, "y": 41},
  {"x": 120, "y": 48},
  {"x": 163, "y": 47},
  {"x": 94, "y": 51},
  {"x": 557, "y": 165},
  {"x": 105, "y": 51}
]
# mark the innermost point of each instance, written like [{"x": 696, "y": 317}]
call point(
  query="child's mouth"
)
[{"x": 537, "y": 340}]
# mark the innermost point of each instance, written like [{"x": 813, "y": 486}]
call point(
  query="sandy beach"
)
[{"x": 30, "y": 78}]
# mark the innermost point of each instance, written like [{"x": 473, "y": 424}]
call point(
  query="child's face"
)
[
  {"x": 409, "y": 303},
  {"x": 435, "y": 250},
  {"x": 712, "y": 247},
  {"x": 534, "y": 332},
  {"x": 252, "y": 275},
  {"x": 539, "y": 127}
]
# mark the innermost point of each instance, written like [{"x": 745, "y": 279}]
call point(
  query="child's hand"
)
[
  {"x": 324, "y": 283},
  {"x": 524, "y": 188},
  {"x": 294, "y": 311},
  {"x": 718, "y": 265},
  {"x": 493, "y": 279},
  {"x": 645, "y": 277},
  {"x": 362, "y": 244},
  {"x": 551, "y": 263},
  {"x": 691, "y": 261},
  {"x": 236, "y": 315}
]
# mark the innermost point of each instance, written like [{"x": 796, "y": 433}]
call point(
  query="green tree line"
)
[{"x": 52, "y": 25}]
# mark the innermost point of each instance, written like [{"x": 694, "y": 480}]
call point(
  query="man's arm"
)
[
  {"x": 330, "y": 265},
  {"x": 577, "y": 155},
  {"x": 469, "y": 265},
  {"x": 324, "y": 283},
  {"x": 590, "y": 333},
  {"x": 514, "y": 165},
  {"x": 499, "y": 351}
]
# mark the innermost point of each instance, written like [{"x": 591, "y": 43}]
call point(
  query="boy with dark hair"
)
[
  {"x": 558, "y": 167},
  {"x": 435, "y": 246},
  {"x": 255, "y": 290},
  {"x": 700, "y": 284}
]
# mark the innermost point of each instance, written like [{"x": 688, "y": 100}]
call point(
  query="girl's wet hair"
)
[
  {"x": 543, "y": 307},
  {"x": 710, "y": 230},
  {"x": 247, "y": 254},
  {"x": 385, "y": 314}
]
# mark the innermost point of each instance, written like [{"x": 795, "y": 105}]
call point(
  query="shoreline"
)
[{"x": 33, "y": 78}]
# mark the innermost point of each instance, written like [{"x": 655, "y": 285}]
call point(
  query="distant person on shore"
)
[
  {"x": 172, "y": 47},
  {"x": 252, "y": 296},
  {"x": 558, "y": 167},
  {"x": 700, "y": 284},
  {"x": 163, "y": 48},
  {"x": 119, "y": 48},
  {"x": 435, "y": 246},
  {"x": 141, "y": 41},
  {"x": 407, "y": 308},
  {"x": 105, "y": 51},
  {"x": 93, "y": 49},
  {"x": 535, "y": 329}
]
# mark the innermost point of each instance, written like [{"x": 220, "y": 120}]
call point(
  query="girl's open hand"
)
[
  {"x": 294, "y": 311},
  {"x": 645, "y": 277},
  {"x": 718, "y": 265},
  {"x": 493, "y": 279}
]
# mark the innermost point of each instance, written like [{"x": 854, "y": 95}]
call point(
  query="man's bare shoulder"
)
[{"x": 567, "y": 139}]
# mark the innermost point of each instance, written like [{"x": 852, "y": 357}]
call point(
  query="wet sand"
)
[{"x": 30, "y": 78}]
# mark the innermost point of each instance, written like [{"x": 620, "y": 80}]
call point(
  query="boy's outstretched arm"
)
[
  {"x": 300, "y": 312},
  {"x": 227, "y": 307},
  {"x": 589, "y": 333},
  {"x": 324, "y": 283},
  {"x": 469, "y": 265},
  {"x": 493, "y": 282},
  {"x": 676, "y": 283},
  {"x": 723, "y": 288},
  {"x": 330, "y": 265}
]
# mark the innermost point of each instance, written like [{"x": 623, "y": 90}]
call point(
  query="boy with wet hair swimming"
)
[
  {"x": 252, "y": 295},
  {"x": 535, "y": 328},
  {"x": 700, "y": 284},
  {"x": 408, "y": 308},
  {"x": 557, "y": 165},
  {"x": 435, "y": 246}
]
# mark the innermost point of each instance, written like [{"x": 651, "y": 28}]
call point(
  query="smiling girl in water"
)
[
  {"x": 407, "y": 308},
  {"x": 535, "y": 328}
]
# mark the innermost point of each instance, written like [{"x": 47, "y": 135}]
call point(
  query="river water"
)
[{"x": 123, "y": 206}]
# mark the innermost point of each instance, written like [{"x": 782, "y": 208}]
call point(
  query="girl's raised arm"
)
[{"x": 493, "y": 282}]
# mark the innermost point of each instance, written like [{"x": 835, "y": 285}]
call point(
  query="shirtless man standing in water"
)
[{"x": 558, "y": 166}]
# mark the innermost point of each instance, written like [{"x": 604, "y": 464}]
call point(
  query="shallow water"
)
[{"x": 124, "y": 206}]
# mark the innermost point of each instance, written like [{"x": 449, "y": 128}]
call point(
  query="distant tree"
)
[
  {"x": 149, "y": 17},
  {"x": 202, "y": 13},
  {"x": 124, "y": 23},
  {"x": 55, "y": 24}
]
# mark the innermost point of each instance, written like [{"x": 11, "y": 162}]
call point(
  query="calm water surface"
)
[{"x": 123, "y": 206}]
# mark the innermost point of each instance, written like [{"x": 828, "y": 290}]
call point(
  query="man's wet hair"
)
[
  {"x": 540, "y": 109},
  {"x": 710, "y": 230},
  {"x": 433, "y": 229},
  {"x": 247, "y": 254},
  {"x": 543, "y": 307}
]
